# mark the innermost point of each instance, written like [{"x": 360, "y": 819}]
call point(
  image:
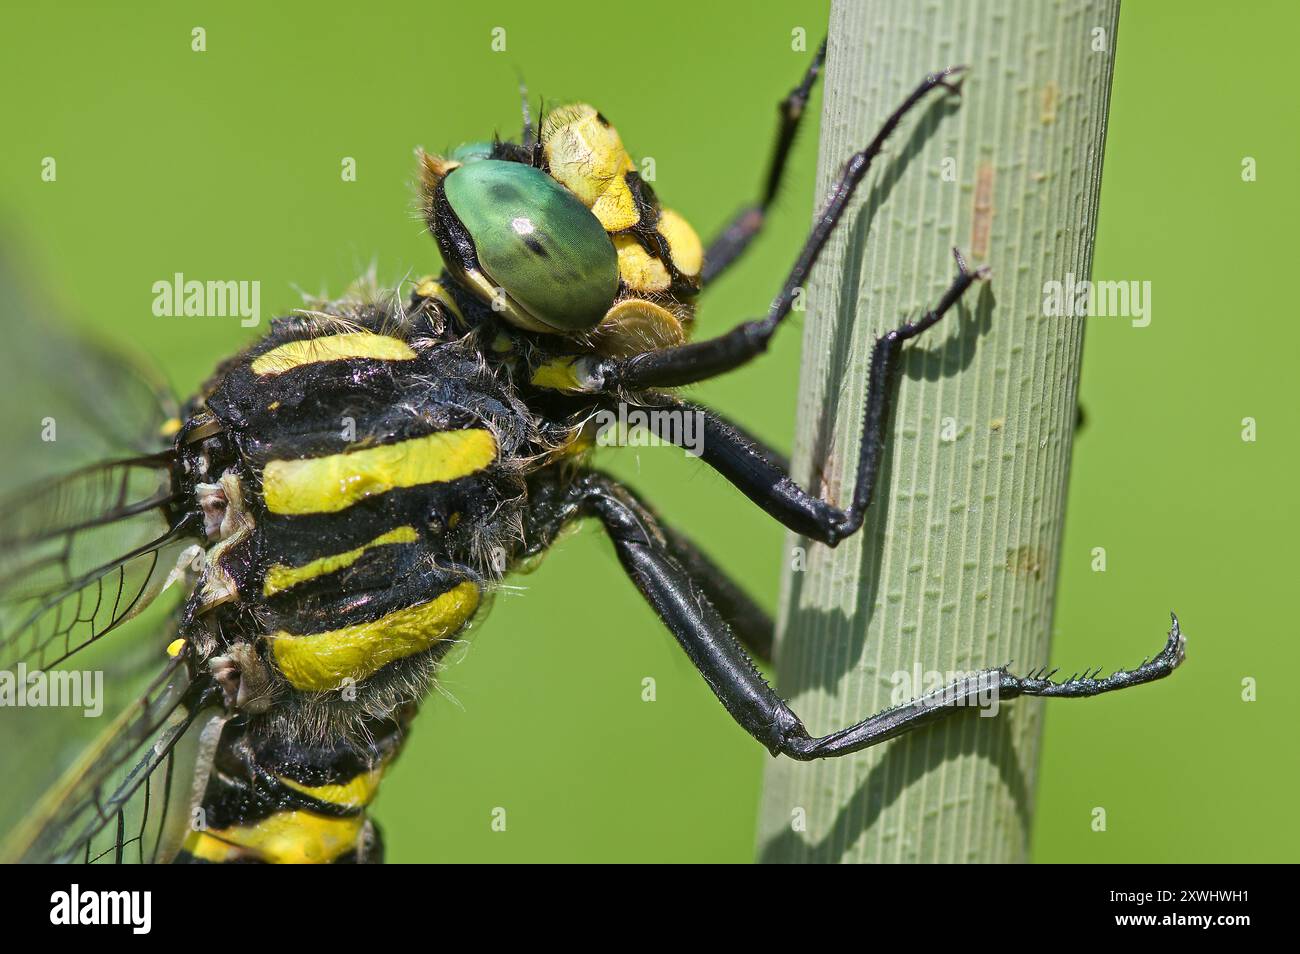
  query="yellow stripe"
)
[
  {"x": 293, "y": 837},
  {"x": 322, "y": 661},
  {"x": 334, "y": 483},
  {"x": 559, "y": 374},
  {"x": 356, "y": 344},
  {"x": 641, "y": 272},
  {"x": 280, "y": 577},
  {"x": 354, "y": 794},
  {"x": 683, "y": 244},
  {"x": 428, "y": 288}
]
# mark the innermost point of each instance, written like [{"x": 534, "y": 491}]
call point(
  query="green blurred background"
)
[{"x": 226, "y": 164}]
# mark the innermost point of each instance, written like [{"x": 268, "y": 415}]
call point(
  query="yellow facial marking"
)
[
  {"x": 559, "y": 374},
  {"x": 322, "y": 661},
  {"x": 429, "y": 288},
  {"x": 280, "y": 577},
  {"x": 170, "y": 427},
  {"x": 356, "y": 344},
  {"x": 357, "y": 793},
  {"x": 174, "y": 647},
  {"x": 634, "y": 326},
  {"x": 587, "y": 156},
  {"x": 334, "y": 483},
  {"x": 616, "y": 209},
  {"x": 683, "y": 243},
  {"x": 640, "y": 270},
  {"x": 293, "y": 837}
]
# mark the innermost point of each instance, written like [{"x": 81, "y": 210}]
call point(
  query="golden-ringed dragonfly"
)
[{"x": 338, "y": 502}]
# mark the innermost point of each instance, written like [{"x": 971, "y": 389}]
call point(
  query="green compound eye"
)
[
  {"x": 471, "y": 152},
  {"x": 537, "y": 241}
]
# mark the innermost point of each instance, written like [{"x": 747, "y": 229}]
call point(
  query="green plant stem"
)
[{"x": 956, "y": 569}]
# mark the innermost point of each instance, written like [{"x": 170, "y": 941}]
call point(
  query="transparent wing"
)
[
  {"x": 81, "y": 555},
  {"x": 125, "y": 798},
  {"x": 71, "y": 400}
]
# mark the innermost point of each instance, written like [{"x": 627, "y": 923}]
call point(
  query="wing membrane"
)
[
  {"x": 70, "y": 400},
  {"x": 82, "y": 553},
  {"x": 85, "y": 499},
  {"x": 119, "y": 801},
  {"x": 79, "y": 557}
]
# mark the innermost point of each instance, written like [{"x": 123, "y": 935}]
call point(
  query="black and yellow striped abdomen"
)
[
  {"x": 274, "y": 801},
  {"x": 372, "y": 467},
  {"x": 372, "y": 460}
]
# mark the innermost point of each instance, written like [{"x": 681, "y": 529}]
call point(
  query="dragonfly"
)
[{"x": 272, "y": 571}]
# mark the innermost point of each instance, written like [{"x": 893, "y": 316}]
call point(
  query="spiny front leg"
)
[
  {"x": 731, "y": 243},
  {"x": 699, "y": 360},
  {"x": 756, "y": 472}
]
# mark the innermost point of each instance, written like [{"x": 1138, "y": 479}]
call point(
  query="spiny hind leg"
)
[
  {"x": 708, "y": 642},
  {"x": 553, "y": 505}
]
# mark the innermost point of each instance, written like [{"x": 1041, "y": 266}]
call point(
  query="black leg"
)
[
  {"x": 686, "y": 364},
  {"x": 551, "y": 506},
  {"x": 749, "y": 221},
  {"x": 751, "y": 467},
  {"x": 707, "y": 640},
  {"x": 764, "y": 478},
  {"x": 748, "y": 621}
]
